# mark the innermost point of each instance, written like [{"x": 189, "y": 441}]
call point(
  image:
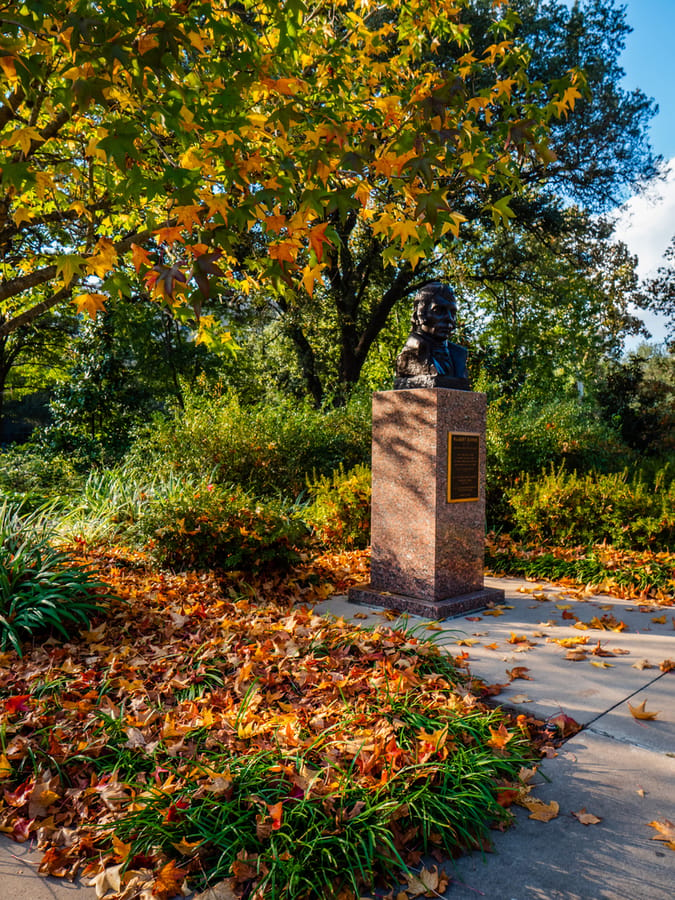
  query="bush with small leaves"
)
[
  {"x": 340, "y": 512},
  {"x": 218, "y": 527}
]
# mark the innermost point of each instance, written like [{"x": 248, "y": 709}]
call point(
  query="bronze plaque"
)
[{"x": 463, "y": 467}]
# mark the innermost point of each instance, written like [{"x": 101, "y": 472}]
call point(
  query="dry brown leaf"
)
[
  {"x": 586, "y": 818},
  {"x": 642, "y": 664},
  {"x": 221, "y": 891},
  {"x": 540, "y": 811},
  {"x": 576, "y": 655},
  {"x": 518, "y": 672},
  {"x": 659, "y": 620},
  {"x": 425, "y": 881},
  {"x": 639, "y": 711}
]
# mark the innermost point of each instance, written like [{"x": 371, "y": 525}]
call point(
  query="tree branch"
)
[{"x": 42, "y": 276}]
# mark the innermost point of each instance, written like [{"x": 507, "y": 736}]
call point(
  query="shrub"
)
[
  {"x": 34, "y": 477},
  {"x": 340, "y": 512},
  {"x": 41, "y": 587},
  {"x": 527, "y": 439},
  {"x": 569, "y": 509},
  {"x": 268, "y": 450},
  {"x": 216, "y": 527}
]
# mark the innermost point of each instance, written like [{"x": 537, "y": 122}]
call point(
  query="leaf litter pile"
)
[{"x": 211, "y": 731}]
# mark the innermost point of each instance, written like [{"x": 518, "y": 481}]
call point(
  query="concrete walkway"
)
[{"x": 618, "y": 768}]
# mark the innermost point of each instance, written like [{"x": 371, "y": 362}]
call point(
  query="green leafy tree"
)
[
  {"x": 333, "y": 333},
  {"x": 547, "y": 305},
  {"x": 182, "y": 127}
]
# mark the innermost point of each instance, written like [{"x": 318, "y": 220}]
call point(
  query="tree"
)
[
  {"x": 367, "y": 274},
  {"x": 659, "y": 292},
  {"x": 183, "y": 126},
  {"x": 602, "y": 148},
  {"x": 547, "y": 305},
  {"x": 28, "y": 349}
]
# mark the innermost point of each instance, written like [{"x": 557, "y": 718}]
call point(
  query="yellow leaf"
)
[
  {"x": 659, "y": 620},
  {"x": 9, "y": 68},
  {"x": 665, "y": 828},
  {"x": 309, "y": 277},
  {"x": 24, "y": 137},
  {"x": 186, "y": 847},
  {"x": 404, "y": 230},
  {"x": 639, "y": 711},
  {"x": 22, "y": 214},
  {"x": 90, "y": 303},
  {"x": 103, "y": 260},
  {"x": 602, "y": 664},
  {"x": 5, "y": 767}
]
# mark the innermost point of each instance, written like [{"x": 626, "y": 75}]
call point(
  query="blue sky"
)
[
  {"x": 647, "y": 223},
  {"x": 649, "y": 63}
]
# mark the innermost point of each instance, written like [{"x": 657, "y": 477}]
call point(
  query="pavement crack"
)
[
  {"x": 599, "y": 732},
  {"x": 643, "y": 687}
]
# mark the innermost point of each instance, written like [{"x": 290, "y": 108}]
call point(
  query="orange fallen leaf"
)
[
  {"x": 518, "y": 672},
  {"x": 500, "y": 737},
  {"x": 540, "y": 811},
  {"x": 667, "y": 665},
  {"x": 586, "y": 818},
  {"x": 659, "y": 620},
  {"x": 666, "y": 831},
  {"x": 639, "y": 711},
  {"x": 517, "y": 638},
  {"x": 169, "y": 881},
  {"x": 5, "y": 767}
]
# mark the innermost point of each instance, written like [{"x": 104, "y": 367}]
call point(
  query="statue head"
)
[{"x": 435, "y": 311}]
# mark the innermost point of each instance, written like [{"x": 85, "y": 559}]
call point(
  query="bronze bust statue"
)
[{"x": 428, "y": 359}]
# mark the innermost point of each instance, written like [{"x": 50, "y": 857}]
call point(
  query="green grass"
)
[{"x": 41, "y": 588}]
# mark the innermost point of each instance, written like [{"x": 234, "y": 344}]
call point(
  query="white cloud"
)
[{"x": 646, "y": 224}]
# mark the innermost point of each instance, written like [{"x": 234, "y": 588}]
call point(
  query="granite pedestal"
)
[{"x": 428, "y": 504}]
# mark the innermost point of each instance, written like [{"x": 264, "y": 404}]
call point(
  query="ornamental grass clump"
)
[{"x": 41, "y": 588}]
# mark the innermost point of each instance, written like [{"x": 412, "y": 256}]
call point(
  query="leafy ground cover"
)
[
  {"x": 645, "y": 575},
  {"x": 213, "y": 729}
]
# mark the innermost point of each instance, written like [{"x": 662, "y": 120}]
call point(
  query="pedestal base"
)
[{"x": 367, "y": 595}]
